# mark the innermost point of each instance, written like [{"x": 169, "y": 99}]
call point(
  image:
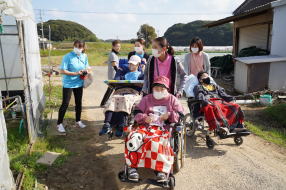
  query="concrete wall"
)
[{"x": 277, "y": 79}]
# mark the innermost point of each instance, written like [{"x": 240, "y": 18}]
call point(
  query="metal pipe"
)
[{"x": 26, "y": 82}]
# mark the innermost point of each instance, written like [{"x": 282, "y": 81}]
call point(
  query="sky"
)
[{"x": 108, "y": 24}]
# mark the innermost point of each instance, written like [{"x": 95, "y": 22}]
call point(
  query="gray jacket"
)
[
  {"x": 177, "y": 72},
  {"x": 207, "y": 64}
]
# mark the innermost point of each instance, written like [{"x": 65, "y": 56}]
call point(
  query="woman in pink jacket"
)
[{"x": 148, "y": 145}]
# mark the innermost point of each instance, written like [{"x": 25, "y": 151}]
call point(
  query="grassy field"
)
[
  {"x": 97, "y": 52},
  {"x": 271, "y": 125}
]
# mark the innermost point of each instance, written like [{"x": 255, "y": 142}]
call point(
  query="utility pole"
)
[
  {"x": 158, "y": 32},
  {"x": 42, "y": 29}
]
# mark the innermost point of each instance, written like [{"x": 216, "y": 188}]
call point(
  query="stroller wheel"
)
[
  {"x": 238, "y": 140},
  {"x": 210, "y": 143},
  {"x": 171, "y": 182},
  {"x": 110, "y": 135},
  {"x": 122, "y": 176}
]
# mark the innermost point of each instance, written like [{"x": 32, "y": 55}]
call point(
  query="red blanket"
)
[
  {"x": 222, "y": 114},
  {"x": 149, "y": 148}
]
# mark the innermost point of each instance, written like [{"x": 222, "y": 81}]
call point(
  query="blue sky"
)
[{"x": 125, "y": 26}]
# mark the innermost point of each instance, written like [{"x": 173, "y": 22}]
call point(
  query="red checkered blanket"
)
[
  {"x": 220, "y": 113},
  {"x": 149, "y": 148}
]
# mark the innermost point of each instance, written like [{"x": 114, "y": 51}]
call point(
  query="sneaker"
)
[
  {"x": 80, "y": 124},
  {"x": 133, "y": 174},
  {"x": 105, "y": 129},
  {"x": 119, "y": 132},
  {"x": 61, "y": 128},
  {"x": 161, "y": 177}
]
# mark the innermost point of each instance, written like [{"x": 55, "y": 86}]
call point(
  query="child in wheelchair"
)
[
  {"x": 120, "y": 105},
  {"x": 223, "y": 116},
  {"x": 148, "y": 143}
]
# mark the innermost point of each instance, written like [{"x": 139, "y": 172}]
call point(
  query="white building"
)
[{"x": 260, "y": 23}]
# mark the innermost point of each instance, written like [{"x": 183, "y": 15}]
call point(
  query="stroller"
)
[
  {"x": 125, "y": 91},
  {"x": 193, "y": 123},
  {"x": 176, "y": 140}
]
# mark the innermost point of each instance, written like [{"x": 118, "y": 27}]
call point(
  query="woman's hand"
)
[
  {"x": 165, "y": 116},
  {"x": 148, "y": 119},
  {"x": 79, "y": 72},
  {"x": 179, "y": 94}
]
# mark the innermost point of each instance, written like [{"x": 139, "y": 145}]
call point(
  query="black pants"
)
[
  {"x": 116, "y": 118},
  {"x": 67, "y": 92}
]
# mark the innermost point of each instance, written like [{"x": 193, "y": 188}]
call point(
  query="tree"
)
[
  {"x": 62, "y": 30},
  {"x": 148, "y": 33}
]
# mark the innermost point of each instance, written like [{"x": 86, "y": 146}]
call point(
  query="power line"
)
[{"x": 132, "y": 13}]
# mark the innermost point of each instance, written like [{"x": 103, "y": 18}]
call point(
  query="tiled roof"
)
[{"x": 248, "y": 5}]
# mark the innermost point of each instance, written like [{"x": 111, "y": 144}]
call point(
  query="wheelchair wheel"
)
[
  {"x": 122, "y": 176},
  {"x": 238, "y": 140},
  {"x": 189, "y": 124},
  {"x": 171, "y": 182},
  {"x": 180, "y": 153},
  {"x": 209, "y": 142}
]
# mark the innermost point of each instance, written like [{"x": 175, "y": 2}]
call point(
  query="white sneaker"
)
[
  {"x": 81, "y": 124},
  {"x": 61, "y": 128}
]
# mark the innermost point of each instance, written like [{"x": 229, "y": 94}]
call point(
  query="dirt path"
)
[{"x": 256, "y": 164}]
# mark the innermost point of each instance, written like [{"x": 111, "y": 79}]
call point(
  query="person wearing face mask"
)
[
  {"x": 217, "y": 105},
  {"x": 164, "y": 63},
  {"x": 197, "y": 60},
  {"x": 113, "y": 67},
  {"x": 139, "y": 51},
  {"x": 154, "y": 114},
  {"x": 73, "y": 68}
]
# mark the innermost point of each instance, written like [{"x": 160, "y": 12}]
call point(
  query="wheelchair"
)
[
  {"x": 177, "y": 142},
  {"x": 195, "y": 121}
]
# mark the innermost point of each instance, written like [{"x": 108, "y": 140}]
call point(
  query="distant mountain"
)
[
  {"x": 181, "y": 34},
  {"x": 62, "y": 30}
]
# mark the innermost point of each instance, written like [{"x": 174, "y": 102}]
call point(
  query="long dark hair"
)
[
  {"x": 80, "y": 44},
  {"x": 162, "y": 41}
]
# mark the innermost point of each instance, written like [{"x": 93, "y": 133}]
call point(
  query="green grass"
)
[
  {"x": 97, "y": 52},
  {"x": 274, "y": 135},
  {"x": 277, "y": 113},
  {"x": 20, "y": 161},
  {"x": 56, "y": 97},
  {"x": 271, "y": 125}
]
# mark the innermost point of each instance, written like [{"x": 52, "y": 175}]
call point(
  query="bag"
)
[{"x": 87, "y": 82}]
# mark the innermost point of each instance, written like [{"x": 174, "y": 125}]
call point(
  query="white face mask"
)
[
  {"x": 160, "y": 95},
  {"x": 138, "y": 49},
  {"x": 156, "y": 53},
  {"x": 195, "y": 50},
  {"x": 77, "y": 50}
]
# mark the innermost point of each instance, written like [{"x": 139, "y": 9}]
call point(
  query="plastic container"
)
[{"x": 265, "y": 99}]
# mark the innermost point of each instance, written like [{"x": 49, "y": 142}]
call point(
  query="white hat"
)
[{"x": 134, "y": 59}]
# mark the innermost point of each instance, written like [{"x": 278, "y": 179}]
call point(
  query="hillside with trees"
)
[
  {"x": 181, "y": 34},
  {"x": 62, "y": 30}
]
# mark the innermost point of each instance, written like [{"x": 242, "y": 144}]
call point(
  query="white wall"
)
[
  {"x": 277, "y": 79},
  {"x": 256, "y": 35},
  {"x": 279, "y": 31}
]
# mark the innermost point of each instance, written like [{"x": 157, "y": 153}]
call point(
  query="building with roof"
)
[{"x": 259, "y": 23}]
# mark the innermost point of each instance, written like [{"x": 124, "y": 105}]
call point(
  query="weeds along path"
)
[{"x": 256, "y": 164}]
